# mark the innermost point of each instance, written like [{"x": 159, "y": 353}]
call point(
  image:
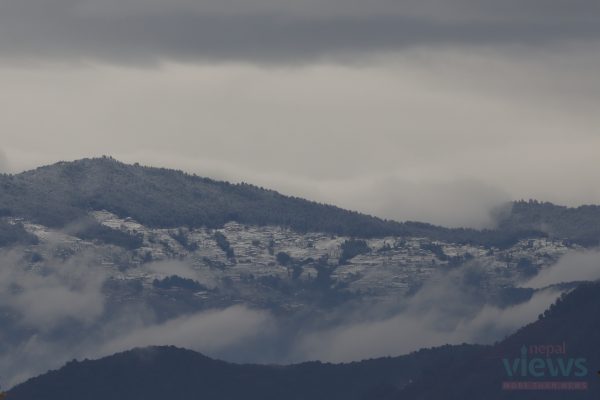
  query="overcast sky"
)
[{"x": 434, "y": 110}]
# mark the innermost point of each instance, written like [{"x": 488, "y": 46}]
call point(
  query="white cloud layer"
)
[
  {"x": 60, "y": 312},
  {"x": 440, "y": 314},
  {"x": 60, "y": 292},
  {"x": 208, "y": 332},
  {"x": 573, "y": 267}
]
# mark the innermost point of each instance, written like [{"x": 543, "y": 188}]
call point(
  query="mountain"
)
[
  {"x": 178, "y": 246},
  {"x": 61, "y": 195},
  {"x": 95, "y": 239},
  {"x": 580, "y": 224},
  {"x": 450, "y": 372},
  {"x": 571, "y": 327},
  {"x": 176, "y": 374}
]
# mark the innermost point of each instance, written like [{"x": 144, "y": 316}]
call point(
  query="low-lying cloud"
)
[
  {"x": 573, "y": 267},
  {"x": 61, "y": 291},
  {"x": 443, "y": 312},
  {"x": 208, "y": 332},
  {"x": 171, "y": 267},
  {"x": 56, "y": 310},
  {"x": 455, "y": 203},
  {"x": 61, "y": 312}
]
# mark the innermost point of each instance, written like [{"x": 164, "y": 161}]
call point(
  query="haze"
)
[{"x": 425, "y": 110}]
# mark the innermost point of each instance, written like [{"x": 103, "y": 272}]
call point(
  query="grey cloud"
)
[
  {"x": 573, "y": 267},
  {"x": 208, "y": 332},
  {"x": 216, "y": 333},
  {"x": 59, "y": 310},
  {"x": 59, "y": 291},
  {"x": 441, "y": 313},
  {"x": 453, "y": 203},
  {"x": 181, "y": 269},
  {"x": 476, "y": 128},
  {"x": 139, "y": 31},
  {"x": 38, "y": 304},
  {"x": 171, "y": 267}
]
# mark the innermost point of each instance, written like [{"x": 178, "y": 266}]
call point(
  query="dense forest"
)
[
  {"x": 574, "y": 320},
  {"x": 11, "y": 234},
  {"x": 177, "y": 374},
  {"x": 63, "y": 193},
  {"x": 448, "y": 372},
  {"x": 581, "y": 224}
]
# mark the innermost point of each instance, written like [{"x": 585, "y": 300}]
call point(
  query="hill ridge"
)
[
  {"x": 449, "y": 372},
  {"x": 59, "y": 194}
]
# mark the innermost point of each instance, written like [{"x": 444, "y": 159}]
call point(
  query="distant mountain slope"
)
[
  {"x": 59, "y": 194},
  {"x": 170, "y": 373},
  {"x": 450, "y": 372},
  {"x": 581, "y": 224},
  {"x": 574, "y": 321}
]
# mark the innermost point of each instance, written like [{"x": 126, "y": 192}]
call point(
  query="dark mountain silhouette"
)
[
  {"x": 450, "y": 372},
  {"x": 574, "y": 320},
  {"x": 175, "y": 374},
  {"x": 60, "y": 195}
]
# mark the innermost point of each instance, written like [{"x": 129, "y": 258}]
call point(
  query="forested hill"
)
[
  {"x": 171, "y": 373},
  {"x": 573, "y": 323},
  {"x": 580, "y": 224},
  {"x": 448, "y": 372},
  {"x": 59, "y": 194}
]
